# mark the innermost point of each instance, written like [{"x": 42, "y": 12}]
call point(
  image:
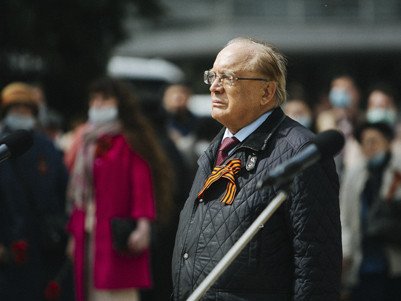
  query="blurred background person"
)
[
  {"x": 163, "y": 234},
  {"x": 371, "y": 264},
  {"x": 381, "y": 106},
  {"x": 344, "y": 97},
  {"x": 32, "y": 194},
  {"x": 198, "y": 141},
  {"x": 207, "y": 128},
  {"x": 117, "y": 163},
  {"x": 300, "y": 111},
  {"x": 397, "y": 139},
  {"x": 181, "y": 122},
  {"x": 65, "y": 140},
  {"x": 50, "y": 121}
]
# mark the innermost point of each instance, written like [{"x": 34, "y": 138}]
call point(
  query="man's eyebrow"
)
[{"x": 222, "y": 71}]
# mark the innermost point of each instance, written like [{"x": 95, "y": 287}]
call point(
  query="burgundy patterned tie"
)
[{"x": 227, "y": 144}]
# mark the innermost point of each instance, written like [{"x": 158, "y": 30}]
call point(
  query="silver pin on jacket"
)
[{"x": 251, "y": 163}]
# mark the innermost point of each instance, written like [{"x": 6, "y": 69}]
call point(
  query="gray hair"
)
[{"x": 270, "y": 61}]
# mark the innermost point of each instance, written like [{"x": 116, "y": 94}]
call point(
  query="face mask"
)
[
  {"x": 306, "y": 121},
  {"x": 377, "y": 160},
  {"x": 340, "y": 98},
  {"x": 102, "y": 115},
  {"x": 19, "y": 122},
  {"x": 381, "y": 115}
]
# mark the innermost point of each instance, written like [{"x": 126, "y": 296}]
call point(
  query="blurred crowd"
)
[
  {"x": 67, "y": 201},
  {"x": 369, "y": 171}
]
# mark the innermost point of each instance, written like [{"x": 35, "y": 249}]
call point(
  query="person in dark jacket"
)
[
  {"x": 32, "y": 207},
  {"x": 297, "y": 254}
]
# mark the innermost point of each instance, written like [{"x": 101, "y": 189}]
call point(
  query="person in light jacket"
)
[{"x": 371, "y": 264}]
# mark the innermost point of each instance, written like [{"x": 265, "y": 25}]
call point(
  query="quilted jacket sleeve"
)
[{"x": 315, "y": 222}]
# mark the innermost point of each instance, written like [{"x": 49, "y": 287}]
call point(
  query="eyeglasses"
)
[{"x": 226, "y": 78}]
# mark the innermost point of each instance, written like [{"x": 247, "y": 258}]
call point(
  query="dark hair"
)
[
  {"x": 382, "y": 127},
  {"x": 142, "y": 138}
]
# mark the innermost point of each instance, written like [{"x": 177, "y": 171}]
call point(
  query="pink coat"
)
[{"x": 123, "y": 188}]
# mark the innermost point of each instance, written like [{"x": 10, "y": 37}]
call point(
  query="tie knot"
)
[{"x": 228, "y": 143}]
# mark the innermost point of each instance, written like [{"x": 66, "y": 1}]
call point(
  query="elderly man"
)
[{"x": 297, "y": 254}]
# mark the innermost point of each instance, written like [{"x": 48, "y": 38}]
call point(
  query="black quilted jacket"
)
[{"x": 295, "y": 256}]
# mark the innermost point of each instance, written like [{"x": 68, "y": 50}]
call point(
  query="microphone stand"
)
[{"x": 239, "y": 246}]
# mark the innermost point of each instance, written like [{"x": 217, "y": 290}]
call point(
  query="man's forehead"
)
[{"x": 234, "y": 55}]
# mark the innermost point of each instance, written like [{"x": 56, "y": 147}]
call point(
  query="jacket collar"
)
[{"x": 256, "y": 142}]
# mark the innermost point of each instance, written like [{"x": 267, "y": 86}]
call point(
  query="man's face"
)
[{"x": 237, "y": 105}]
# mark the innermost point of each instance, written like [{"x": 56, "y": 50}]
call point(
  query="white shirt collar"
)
[{"x": 243, "y": 133}]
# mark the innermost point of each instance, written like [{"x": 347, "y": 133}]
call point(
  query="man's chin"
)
[{"x": 217, "y": 114}]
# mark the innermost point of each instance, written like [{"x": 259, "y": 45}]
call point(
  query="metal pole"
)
[{"x": 238, "y": 247}]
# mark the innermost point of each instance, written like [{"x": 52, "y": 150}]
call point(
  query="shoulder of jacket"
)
[{"x": 295, "y": 135}]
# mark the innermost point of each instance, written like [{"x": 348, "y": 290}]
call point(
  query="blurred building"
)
[{"x": 320, "y": 38}]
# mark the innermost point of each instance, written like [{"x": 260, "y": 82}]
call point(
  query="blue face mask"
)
[
  {"x": 340, "y": 98},
  {"x": 377, "y": 160},
  {"x": 19, "y": 122},
  {"x": 381, "y": 115}
]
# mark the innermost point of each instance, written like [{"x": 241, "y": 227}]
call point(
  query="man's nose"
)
[{"x": 216, "y": 85}]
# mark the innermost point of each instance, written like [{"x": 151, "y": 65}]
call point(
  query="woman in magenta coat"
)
[{"x": 117, "y": 162}]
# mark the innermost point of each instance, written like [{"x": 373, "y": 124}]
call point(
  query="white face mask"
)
[
  {"x": 102, "y": 115},
  {"x": 381, "y": 115},
  {"x": 19, "y": 122}
]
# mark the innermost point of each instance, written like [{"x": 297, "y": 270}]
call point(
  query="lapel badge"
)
[{"x": 251, "y": 163}]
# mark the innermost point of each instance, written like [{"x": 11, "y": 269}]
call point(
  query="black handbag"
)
[{"x": 121, "y": 229}]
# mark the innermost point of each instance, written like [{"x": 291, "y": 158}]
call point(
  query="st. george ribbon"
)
[
  {"x": 15, "y": 144},
  {"x": 325, "y": 145}
]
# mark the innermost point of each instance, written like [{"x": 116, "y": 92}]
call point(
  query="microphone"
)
[
  {"x": 326, "y": 144},
  {"x": 15, "y": 144}
]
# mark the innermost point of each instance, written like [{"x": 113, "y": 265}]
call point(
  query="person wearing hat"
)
[
  {"x": 371, "y": 251},
  {"x": 18, "y": 107},
  {"x": 32, "y": 192}
]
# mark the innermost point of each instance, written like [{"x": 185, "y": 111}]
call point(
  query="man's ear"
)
[{"x": 269, "y": 92}]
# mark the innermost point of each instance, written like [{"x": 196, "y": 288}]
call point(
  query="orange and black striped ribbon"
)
[{"x": 227, "y": 172}]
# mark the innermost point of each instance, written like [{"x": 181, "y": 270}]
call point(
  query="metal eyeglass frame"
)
[{"x": 210, "y": 76}]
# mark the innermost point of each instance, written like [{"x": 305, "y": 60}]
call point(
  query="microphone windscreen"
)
[
  {"x": 18, "y": 142},
  {"x": 329, "y": 143}
]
